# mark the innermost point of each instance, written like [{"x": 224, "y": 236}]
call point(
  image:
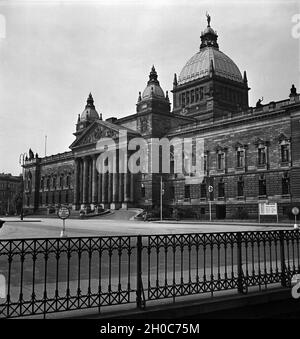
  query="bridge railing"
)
[{"x": 43, "y": 276}]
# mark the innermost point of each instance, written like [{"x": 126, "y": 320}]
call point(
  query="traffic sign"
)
[
  {"x": 295, "y": 210},
  {"x": 210, "y": 189},
  {"x": 63, "y": 213}
]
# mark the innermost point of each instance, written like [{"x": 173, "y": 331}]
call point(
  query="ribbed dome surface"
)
[
  {"x": 89, "y": 114},
  {"x": 153, "y": 90},
  {"x": 198, "y": 66}
]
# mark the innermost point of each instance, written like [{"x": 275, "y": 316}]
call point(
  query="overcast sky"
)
[{"x": 52, "y": 54}]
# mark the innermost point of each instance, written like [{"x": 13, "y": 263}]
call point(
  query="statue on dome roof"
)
[{"x": 208, "y": 19}]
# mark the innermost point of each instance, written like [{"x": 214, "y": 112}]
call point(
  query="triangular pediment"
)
[{"x": 97, "y": 130}]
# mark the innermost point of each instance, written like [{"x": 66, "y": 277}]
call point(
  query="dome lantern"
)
[{"x": 209, "y": 37}]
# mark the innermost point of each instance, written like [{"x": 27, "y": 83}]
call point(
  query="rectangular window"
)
[
  {"x": 240, "y": 188},
  {"x": 240, "y": 155},
  {"x": 187, "y": 97},
  {"x": 285, "y": 154},
  {"x": 143, "y": 191},
  {"x": 285, "y": 185},
  {"x": 262, "y": 186},
  {"x": 203, "y": 190},
  {"x": 201, "y": 93},
  {"x": 183, "y": 99},
  {"x": 197, "y": 94},
  {"x": 192, "y": 96},
  {"x": 221, "y": 161},
  {"x": 221, "y": 189},
  {"x": 261, "y": 156},
  {"x": 172, "y": 192},
  {"x": 187, "y": 191}
]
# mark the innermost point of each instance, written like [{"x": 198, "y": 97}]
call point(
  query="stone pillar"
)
[
  {"x": 76, "y": 184},
  {"x": 121, "y": 191},
  {"x": 126, "y": 190},
  {"x": 131, "y": 195},
  {"x": 115, "y": 191},
  {"x": 90, "y": 182},
  {"x": 110, "y": 184},
  {"x": 85, "y": 181},
  {"x": 94, "y": 181},
  {"x": 104, "y": 191},
  {"x": 81, "y": 182},
  {"x": 99, "y": 188}
]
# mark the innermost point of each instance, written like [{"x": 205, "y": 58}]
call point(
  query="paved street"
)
[
  {"x": 111, "y": 272},
  {"x": 51, "y": 227}
]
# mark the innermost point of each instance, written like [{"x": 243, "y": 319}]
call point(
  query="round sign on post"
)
[
  {"x": 63, "y": 213},
  {"x": 295, "y": 211},
  {"x": 210, "y": 189}
]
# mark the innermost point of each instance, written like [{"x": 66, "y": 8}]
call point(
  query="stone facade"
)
[
  {"x": 251, "y": 154},
  {"x": 10, "y": 188}
]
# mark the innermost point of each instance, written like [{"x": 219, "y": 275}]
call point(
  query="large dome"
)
[{"x": 199, "y": 65}]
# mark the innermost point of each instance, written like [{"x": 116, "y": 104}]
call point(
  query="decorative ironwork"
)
[{"x": 53, "y": 275}]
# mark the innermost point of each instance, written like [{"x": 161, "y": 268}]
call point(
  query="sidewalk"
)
[
  {"x": 17, "y": 219},
  {"x": 227, "y": 222}
]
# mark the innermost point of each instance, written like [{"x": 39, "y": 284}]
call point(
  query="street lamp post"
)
[{"x": 22, "y": 162}]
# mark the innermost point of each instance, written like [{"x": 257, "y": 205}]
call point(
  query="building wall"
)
[{"x": 10, "y": 186}]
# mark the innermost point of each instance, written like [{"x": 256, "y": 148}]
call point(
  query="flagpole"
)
[{"x": 161, "y": 197}]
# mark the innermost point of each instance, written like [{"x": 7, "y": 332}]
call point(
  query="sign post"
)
[
  {"x": 63, "y": 213},
  {"x": 295, "y": 211},
  {"x": 162, "y": 191},
  {"x": 210, "y": 190}
]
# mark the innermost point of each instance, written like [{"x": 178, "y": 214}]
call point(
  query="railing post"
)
[
  {"x": 139, "y": 286},
  {"x": 282, "y": 259},
  {"x": 239, "y": 262}
]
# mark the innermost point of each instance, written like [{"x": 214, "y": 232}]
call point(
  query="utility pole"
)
[
  {"x": 22, "y": 162},
  {"x": 45, "y": 145}
]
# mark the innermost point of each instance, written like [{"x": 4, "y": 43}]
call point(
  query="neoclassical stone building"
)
[{"x": 251, "y": 154}]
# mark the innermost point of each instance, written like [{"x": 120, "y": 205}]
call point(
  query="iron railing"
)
[{"x": 62, "y": 274}]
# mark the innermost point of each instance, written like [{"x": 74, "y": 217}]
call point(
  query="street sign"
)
[
  {"x": 63, "y": 213},
  {"x": 210, "y": 189},
  {"x": 268, "y": 209},
  {"x": 295, "y": 210}
]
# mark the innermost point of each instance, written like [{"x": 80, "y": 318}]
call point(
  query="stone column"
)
[
  {"x": 126, "y": 190},
  {"x": 109, "y": 193},
  {"x": 104, "y": 182},
  {"x": 121, "y": 191},
  {"x": 90, "y": 182},
  {"x": 76, "y": 183},
  {"x": 94, "y": 181},
  {"x": 99, "y": 188},
  {"x": 131, "y": 195},
  {"x": 115, "y": 191},
  {"x": 81, "y": 181},
  {"x": 85, "y": 181}
]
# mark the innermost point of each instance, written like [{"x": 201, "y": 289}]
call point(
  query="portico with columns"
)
[{"x": 94, "y": 187}]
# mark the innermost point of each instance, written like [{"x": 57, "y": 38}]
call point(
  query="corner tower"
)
[
  {"x": 153, "y": 108},
  {"x": 210, "y": 85}
]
